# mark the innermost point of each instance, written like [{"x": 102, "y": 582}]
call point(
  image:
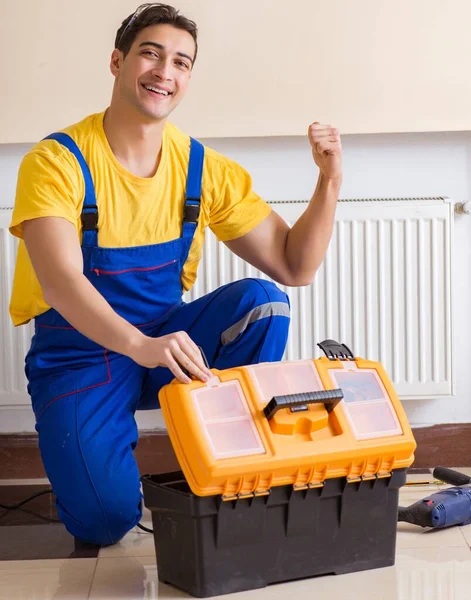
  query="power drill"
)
[{"x": 442, "y": 509}]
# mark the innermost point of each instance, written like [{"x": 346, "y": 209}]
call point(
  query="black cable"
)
[
  {"x": 31, "y": 512},
  {"x": 23, "y": 502},
  {"x": 15, "y": 506}
]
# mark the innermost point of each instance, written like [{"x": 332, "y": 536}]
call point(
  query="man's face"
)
[{"x": 154, "y": 76}]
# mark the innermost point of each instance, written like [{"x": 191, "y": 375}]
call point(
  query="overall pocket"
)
[
  {"x": 57, "y": 369},
  {"x": 141, "y": 284}
]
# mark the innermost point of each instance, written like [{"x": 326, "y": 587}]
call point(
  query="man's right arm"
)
[{"x": 54, "y": 250}]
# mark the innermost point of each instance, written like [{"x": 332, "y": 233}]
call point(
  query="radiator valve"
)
[{"x": 463, "y": 208}]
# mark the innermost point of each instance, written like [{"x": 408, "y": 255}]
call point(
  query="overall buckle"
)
[
  {"x": 90, "y": 219},
  {"x": 191, "y": 213}
]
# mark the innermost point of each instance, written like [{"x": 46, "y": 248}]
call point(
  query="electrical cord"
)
[
  {"x": 20, "y": 504},
  {"x": 23, "y": 502},
  {"x": 31, "y": 512}
]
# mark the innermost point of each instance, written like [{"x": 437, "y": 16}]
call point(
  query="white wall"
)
[{"x": 375, "y": 166}]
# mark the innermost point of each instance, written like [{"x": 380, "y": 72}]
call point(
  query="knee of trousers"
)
[
  {"x": 102, "y": 520},
  {"x": 263, "y": 292},
  {"x": 257, "y": 300}
]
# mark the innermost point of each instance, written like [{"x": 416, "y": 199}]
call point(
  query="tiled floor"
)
[{"x": 40, "y": 561}]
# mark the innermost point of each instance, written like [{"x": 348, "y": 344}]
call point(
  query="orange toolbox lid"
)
[{"x": 287, "y": 423}]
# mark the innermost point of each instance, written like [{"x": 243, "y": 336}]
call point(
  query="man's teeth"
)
[{"x": 154, "y": 89}]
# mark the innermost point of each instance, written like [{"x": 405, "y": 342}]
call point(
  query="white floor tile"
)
[
  {"x": 412, "y": 536},
  {"x": 68, "y": 579},
  {"x": 123, "y": 578},
  {"x": 133, "y": 544},
  {"x": 419, "y": 574},
  {"x": 433, "y": 574},
  {"x": 466, "y": 531}
]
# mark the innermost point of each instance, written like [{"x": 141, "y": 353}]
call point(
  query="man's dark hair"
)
[{"x": 152, "y": 14}]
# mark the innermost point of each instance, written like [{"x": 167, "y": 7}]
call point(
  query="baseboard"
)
[
  {"x": 20, "y": 457},
  {"x": 446, "y": 445}
]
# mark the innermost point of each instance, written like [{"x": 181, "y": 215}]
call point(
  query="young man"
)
[{"x": 111, "y": 213}]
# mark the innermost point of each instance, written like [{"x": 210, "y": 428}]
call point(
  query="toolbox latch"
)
[
  {"x": 336, "y": 351},
  {"x": 309, "y": 486},
  {"x": 243, "y": 496},
  {"x": 375, "y": 476}
]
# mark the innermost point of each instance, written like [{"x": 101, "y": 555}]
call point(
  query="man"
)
[{"x": 112, "y": 213}]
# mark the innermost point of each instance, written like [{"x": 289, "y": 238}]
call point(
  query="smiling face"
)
[{"x": 154, "y": 76}]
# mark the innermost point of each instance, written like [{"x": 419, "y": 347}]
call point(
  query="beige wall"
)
[{"x": 266, "y": 67}]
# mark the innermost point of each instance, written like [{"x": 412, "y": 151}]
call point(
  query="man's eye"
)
[{"x": 151, "y": 53}]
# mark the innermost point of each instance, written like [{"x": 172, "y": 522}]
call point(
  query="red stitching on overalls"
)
[
  {"x": 54, "y": 327},
  {"x": 138, "y": 325},
  {"x": 100, "y": 271},
  {"x": 90, "y": 387}
]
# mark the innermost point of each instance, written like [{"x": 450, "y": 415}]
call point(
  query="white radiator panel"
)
[
  {"x": 384, "y": 289},
  {"x": 14, "y": 342}
]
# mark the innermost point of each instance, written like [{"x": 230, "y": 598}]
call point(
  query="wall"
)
[
  {"x": 375, "y": 166},
  {"x": 266, "y": 50}
]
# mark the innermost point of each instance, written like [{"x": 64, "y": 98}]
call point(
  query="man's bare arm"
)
[
  {"x": 56, "y": 256},
  {"x": 291, "y": 256}
]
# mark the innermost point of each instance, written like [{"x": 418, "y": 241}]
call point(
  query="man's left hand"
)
[{"x": 326, "y": 149}]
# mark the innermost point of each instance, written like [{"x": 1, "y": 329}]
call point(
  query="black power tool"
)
[{"x": 445, "y": 508}]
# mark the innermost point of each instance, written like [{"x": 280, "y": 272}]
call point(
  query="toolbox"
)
[{"x": 288, "y": 470}]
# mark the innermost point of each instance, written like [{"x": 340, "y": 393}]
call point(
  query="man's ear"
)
[{"x": 115, "y": 62}]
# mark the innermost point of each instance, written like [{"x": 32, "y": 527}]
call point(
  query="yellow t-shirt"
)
[{"x": 133, "y": 211}]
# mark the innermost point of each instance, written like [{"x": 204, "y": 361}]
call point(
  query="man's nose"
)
[{"x": 163, "y": 71}]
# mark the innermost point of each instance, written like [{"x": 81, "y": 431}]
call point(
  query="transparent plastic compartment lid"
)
[
  {"x": 367, "y": 403},
  {"x": 279, "y": 379},
  {"x": 226, "y": 421}
]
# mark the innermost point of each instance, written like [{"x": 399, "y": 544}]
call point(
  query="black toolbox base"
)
[{"x": 208, "y": 547}]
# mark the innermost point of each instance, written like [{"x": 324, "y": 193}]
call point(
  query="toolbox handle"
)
[
  {"x": 205, "y": 360},
  {"x": 336, "y": 351},
  {"x": 299, "y": 402}
]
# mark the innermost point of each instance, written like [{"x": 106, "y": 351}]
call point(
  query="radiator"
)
[
  {"x": 384, "y": 289},
  {"x": 14, "y": 342}
]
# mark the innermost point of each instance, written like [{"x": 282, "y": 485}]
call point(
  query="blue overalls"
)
[{"x": 85, "y": 396}]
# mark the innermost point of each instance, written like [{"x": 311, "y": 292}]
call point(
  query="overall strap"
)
[
  {"x": 90, "y": 209},
  {"x": 193, "y": 195}
]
